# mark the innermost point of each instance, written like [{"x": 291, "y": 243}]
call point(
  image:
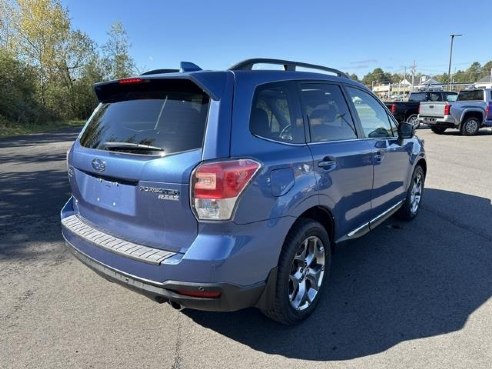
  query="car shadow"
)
[{"x": 401, "y": 282}]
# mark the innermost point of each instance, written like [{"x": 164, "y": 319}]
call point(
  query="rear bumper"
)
[
  {"x": 231, "y": 260},
  {"x": 231, "y": 297},
  {"x": 447, "y": 121}
]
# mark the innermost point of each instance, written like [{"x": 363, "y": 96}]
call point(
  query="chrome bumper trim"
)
[{"x": 125, "y": 248}]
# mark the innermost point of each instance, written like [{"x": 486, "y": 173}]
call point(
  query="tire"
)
[
  {"x": 470, "y": 126},
  {"x": 304, "y": 262},
  {"x": 438, "y": 130},
  {"x": 413, "y": 120},
  {"x": 411, "y": 206}
]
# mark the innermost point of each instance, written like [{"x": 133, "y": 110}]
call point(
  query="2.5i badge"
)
[{"x": 163, "y": 193}]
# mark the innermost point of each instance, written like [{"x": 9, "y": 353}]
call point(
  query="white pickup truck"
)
[{"x": 471, "y": 111}]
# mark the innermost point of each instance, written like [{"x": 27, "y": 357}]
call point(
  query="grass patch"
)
[{"x": 7, "y": 130}]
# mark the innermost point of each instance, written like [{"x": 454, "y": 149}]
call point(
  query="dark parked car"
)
[
  {"x": 225, "y": 190},
  {"x": 407, "y": 111}
]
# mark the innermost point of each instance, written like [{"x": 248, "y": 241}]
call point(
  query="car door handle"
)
[
  {"x": 327, "y": 163},
  {"x": 379, "y": 156}
]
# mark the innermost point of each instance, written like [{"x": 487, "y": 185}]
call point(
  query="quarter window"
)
[
  {"x": 272, "y": 116},
  {"x": 327, "y": 112},
  {"x": 373, "y": 117}
]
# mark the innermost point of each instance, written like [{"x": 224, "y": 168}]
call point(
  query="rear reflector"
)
[
  {"x": 216, "y": 187},
  {"x": 200, "y": 294},
  {"x": 129, "y": 81}
]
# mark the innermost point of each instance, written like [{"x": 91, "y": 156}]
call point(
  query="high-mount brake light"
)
[
  {"x": 216, "y": 187},
  {"x": 129, "y": 81}
]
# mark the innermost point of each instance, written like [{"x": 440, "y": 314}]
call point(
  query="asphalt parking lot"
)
[{"x": 408, "y": 295}]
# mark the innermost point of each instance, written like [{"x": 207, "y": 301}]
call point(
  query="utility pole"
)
[
  {"x": 413, "y": 68},
  {"x": 450, "y": 57}
]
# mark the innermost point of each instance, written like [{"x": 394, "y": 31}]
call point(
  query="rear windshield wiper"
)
[{"x": 130, "y": 146}]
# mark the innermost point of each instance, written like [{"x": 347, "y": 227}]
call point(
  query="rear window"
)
[
  {"x": 417, "y": 97},
  {"x": 150, "y": 119},
  {"x": 470, "y": 95},
  {"x": 450, "y": 97}
]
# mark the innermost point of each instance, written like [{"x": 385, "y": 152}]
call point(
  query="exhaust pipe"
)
[{"x": 175, "y": 305}]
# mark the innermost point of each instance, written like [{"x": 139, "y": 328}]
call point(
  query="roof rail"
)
[{"x": 288, "y": 65}]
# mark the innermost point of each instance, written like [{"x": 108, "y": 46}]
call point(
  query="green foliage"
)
[
  {"x": 50, "y": 66},
  {"x": 116, "y": 57},
  {"x": 18, "y": 102},
  {"x": 377, "y": 76}
]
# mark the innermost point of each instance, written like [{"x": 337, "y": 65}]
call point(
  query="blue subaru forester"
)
[{"x": 221, "y": 190}]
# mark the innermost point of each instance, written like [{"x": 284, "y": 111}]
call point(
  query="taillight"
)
[
  {"x": 393, "y": 108},
  {"x": 447, "y": 109},
  {"x": 487, "y": 111},
  {"x": 216, "y": 187},
  {"x": 129, "y": 81}
]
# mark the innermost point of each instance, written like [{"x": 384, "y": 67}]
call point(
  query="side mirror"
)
[{"x": 405, "y": 130}]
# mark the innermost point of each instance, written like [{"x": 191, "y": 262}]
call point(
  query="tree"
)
[
  {"x": 354, "y": 77},
  {"x": 474, "y": 72},
  {"x": 377, "y": 76},
  {"x": 486, "y": 70},
  {"x": 41, "y": 29},
  {"x": 17, "y": 98},
  {"x": 117, "y": 60}
]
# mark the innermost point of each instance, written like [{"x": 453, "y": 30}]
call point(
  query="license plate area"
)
[{"x": 110, "y": 195}]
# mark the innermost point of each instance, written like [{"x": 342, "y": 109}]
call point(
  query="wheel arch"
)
[
  {"x": 423, "y": 163},
  {"x": 323, "y": 216},
  {"x": 472, "y": 113}
]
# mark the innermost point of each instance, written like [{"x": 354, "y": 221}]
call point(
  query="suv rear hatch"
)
[{"x": 130, "y": 169}]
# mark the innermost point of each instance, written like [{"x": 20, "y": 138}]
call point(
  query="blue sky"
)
[{"x": 355, "y": 36}]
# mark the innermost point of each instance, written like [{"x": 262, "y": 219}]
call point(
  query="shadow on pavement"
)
[
  {"x": 67, "y": 134},
  {"x": 455, "y": 132},
  {"x": 401, "y": 282},
  {"x": 31, "y": 199}
]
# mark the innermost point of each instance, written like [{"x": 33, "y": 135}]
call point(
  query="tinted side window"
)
[
  {"x": 272, "y": 116},
  {"x": 470, "y": 95},
  {"x": 373, "y": 117},
  {"x": 327, "y": 112}
]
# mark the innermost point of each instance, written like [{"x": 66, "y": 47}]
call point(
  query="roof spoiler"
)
[{"x": 184, "y": 67}]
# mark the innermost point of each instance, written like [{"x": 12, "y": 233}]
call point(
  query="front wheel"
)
[
  {"x": 411, "y": 207},
  {"x": 470, "y": 127},
  {"x": 303, "y": 267},
  {"x": 414, "y": 120}
]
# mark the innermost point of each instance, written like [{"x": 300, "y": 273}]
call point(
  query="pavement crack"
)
[{"x": 179, "y": 344}]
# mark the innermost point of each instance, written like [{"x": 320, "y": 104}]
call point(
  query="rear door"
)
[
  {"x": 132, "y": 164},
  {"x": 392, "y": 163},
  {"x": 342, "y": 162}
]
